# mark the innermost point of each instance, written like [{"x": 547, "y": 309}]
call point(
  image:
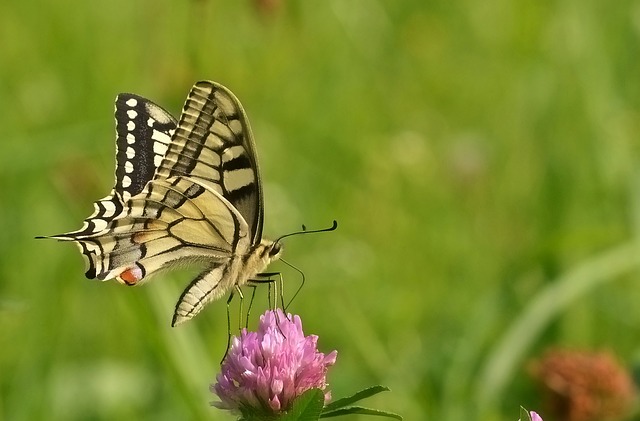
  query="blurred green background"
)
[{"x": 481, "y": 158}]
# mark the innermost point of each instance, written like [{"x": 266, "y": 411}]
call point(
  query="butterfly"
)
[{"x": 186, "y": 191}]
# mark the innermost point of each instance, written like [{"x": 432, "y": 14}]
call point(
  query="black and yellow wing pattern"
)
[{"x": 186, "y": 191}]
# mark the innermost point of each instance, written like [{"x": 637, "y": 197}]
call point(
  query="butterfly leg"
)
[
  {"x": 228, "y": 327},
  {"x": 267, "y": 278},
  {"x": 253, "y": 295},
  {"x": 240, "y": 307},
  {"x": 236, "y": 290}
]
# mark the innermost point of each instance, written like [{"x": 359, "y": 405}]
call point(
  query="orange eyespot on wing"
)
[{"x": 131, "y": 276}]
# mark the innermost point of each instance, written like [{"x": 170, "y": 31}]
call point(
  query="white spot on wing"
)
[
  {"x": 130, "y": 152},
  {"x": 132, "y": 114},
  {"x": 160, "y": 148},
  {"x": 161, "y": 137},
  {"x": 131, "y": 126},
  {"x": 132, "y": 102},
  {"x": 131, "y": 139},
  {"x": 128, "y": 167},
  {"x": 126, "y": 181}
]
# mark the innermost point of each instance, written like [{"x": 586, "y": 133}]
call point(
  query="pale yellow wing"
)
[{"x": 172, "y": 220}]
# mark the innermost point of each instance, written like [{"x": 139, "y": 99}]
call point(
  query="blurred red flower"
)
[{"x": 583, "y": 386}]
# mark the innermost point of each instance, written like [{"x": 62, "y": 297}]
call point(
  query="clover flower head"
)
[{"x": 266, "y": 370}]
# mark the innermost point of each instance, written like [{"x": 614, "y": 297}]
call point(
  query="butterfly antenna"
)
[
  {"x": 305, "y": 231},
  {"x": 299, "y": 288}
]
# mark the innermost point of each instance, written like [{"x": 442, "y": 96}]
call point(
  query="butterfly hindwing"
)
[
  {"x": 213, "y": 142},
  {"x": 170, "y": 221}
]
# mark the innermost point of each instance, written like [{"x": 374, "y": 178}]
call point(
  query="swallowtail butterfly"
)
[{"x": 185, "y": 191}]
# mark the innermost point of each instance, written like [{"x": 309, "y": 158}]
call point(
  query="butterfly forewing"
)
[{"x": 213, "y": 142}]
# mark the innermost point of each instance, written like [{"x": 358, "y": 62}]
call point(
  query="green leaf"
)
[
  {"x": 360, "y": 410},
  {"x": 365, "y": 393},
  {"x": 306, "y": 407},
  {"x": 257, "y": 416},
  {"x": 524, "y": 415}
]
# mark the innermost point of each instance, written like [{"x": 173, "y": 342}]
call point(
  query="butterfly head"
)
[{"x": 273, "y": 249}]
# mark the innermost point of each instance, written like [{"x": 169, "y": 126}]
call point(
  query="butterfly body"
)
[
  {"x": 221, "y": 278},
  {"x": 186, "y": 191}
]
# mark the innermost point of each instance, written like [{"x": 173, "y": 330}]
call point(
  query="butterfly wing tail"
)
[{"x": 88, "y": 247}]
